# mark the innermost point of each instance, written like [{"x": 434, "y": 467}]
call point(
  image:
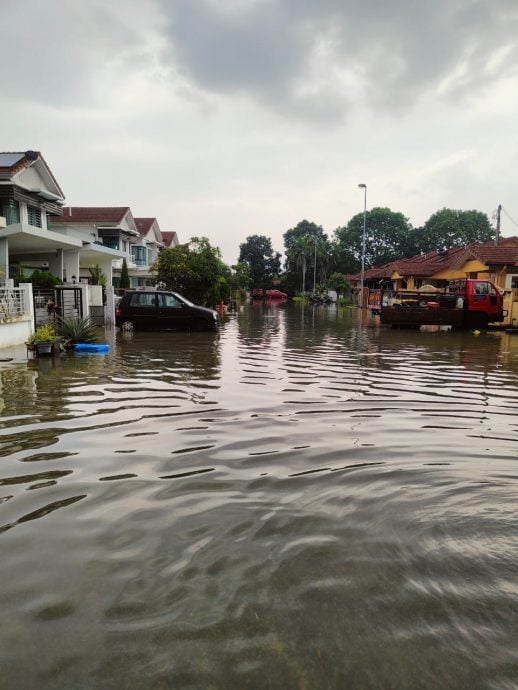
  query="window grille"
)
[{"x": 34, "y": 216}]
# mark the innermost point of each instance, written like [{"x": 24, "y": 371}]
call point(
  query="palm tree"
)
[{"x": 304, "y": 246}]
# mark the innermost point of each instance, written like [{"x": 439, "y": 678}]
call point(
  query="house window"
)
[
  {"x": 124, "y": 246},
  {"x": 139, "y": 255},
  {"x": 34, "y": 216},
  {"x": 11, "y": 212},
  {"x": 111, "y": 242}
]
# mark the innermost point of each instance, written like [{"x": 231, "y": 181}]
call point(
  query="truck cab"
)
[{"x": 483, "y": 302}]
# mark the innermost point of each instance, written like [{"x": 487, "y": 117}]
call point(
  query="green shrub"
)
[
  {"x": 44, "y": 279},
  {"x": 43, "y": 334},
  {"x": 77, "y": 330}
]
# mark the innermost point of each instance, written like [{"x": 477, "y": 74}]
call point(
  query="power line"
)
[{"x": 511, "y": 219}]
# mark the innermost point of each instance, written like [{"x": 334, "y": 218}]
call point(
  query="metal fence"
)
[
  {"x": 12, "y": 302},
  {"x": 49, "y": 303}
]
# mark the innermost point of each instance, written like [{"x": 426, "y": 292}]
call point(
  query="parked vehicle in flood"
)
[
  {"x": 259, "y": 293},
  {"x": 160, "y": 310},
  {"x": 467, "y": 303},
  {"x": 276, "y": 294}
]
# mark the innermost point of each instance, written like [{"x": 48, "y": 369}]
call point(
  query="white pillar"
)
[
  {"x": 28, "y": 301},
  {"x": 109, "y": 307},
  {"x": 71, "y": 265}
]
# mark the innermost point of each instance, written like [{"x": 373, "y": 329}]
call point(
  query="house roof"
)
[
  {"x": 427, "y": 265},
  {"x": 144, "y": 224},
  {"x": 12, "y": 162},
  {"x": 170, "y": 238},
  {"x": 92, "y": 214}
]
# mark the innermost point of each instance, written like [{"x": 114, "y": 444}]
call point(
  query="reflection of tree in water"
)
[
  {"x": 261, "y": 323},
  {"x": 309, "y": 326}
]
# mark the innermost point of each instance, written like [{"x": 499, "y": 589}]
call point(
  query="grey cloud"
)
[
  {"x": 397, "y": 50},
  {"x": 60, "y": 51}
]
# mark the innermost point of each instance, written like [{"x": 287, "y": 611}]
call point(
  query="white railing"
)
[{"x": 13, "y": 303}]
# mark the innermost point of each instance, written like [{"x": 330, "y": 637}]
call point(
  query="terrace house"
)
[
  {"x": 29, "y": 195},
  {"x": 144, "y": 252},
  {"x": 106, "y": 233}
]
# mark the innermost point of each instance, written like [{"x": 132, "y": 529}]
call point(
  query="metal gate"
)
[{"x": 49, "y": 303}]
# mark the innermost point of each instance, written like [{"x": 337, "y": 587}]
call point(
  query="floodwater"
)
[{"x": 303, "y": 500}]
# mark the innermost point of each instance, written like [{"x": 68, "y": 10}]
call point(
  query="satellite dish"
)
[{"x": 31, "y": 155}]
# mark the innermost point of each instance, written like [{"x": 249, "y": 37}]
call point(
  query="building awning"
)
[{"x": 26, "y": 239}]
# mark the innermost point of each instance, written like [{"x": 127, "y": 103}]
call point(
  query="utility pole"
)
[
  {"x": 497, "y": 230},
  {"x": 362, "y": 278}
]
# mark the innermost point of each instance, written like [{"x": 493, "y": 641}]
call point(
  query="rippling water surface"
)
[{"x": 300, "y": 501}]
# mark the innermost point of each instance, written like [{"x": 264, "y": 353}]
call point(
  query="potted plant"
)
[{"x": 43, "y": 339}]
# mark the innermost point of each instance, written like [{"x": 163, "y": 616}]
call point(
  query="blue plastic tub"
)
[{"x": 91, "y": 347}]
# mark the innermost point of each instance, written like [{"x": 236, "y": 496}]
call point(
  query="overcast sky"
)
[{"x": 228, "y": 118}]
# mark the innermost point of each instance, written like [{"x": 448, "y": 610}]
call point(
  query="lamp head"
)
[{"x": 362, "y": 186}]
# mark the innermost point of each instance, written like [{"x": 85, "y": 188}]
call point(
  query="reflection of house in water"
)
[{"x": 18, "y": 390}]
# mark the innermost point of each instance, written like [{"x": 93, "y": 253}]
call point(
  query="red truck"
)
[{"x": 464, "y": 304}]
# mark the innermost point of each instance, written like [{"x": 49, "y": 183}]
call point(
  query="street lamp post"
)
[
  {"x": 362, "y": 274},
  {"x": 315, "y": 268}
]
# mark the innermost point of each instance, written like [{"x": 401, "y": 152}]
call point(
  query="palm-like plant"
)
[
  {"x": 304, "y": 246},
  {"x": 77, "y": 330}
]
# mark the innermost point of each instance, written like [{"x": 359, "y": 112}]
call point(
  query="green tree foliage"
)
[
  {"x": 338, "y": 281},
  {"x": 40, "y": 279},
  {"x": 264, "y": 264},
  {"x": 241, "y": 278},
  {"x": 449, "y": 228},
  {"x": 98, "y": 277},
  {"x": 388, "y": 237},
  {"x": 195, "y": 270},
  {"x": 124, "y": 281},
  {"x": 300, "y": 243}
]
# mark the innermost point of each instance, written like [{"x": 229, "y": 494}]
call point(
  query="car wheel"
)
[
  {"x": 127, "y": 326},
  {"x": 200, "y": 325}
]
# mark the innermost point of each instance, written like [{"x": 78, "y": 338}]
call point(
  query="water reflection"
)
[{"x": 304, "y": 499}]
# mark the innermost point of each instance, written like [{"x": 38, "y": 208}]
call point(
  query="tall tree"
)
[
  {"x": 194, "y": 269},
  {"x": 450, "y": 228},
  {"x": 388, "y": 237},
  {"x": 302, "y": 249},
  {"x": 294, "y": 261},
  {"x": 124, "y": 280},
  {"x": 241, "y": 279},
  {"x": 264, "y": 265}
]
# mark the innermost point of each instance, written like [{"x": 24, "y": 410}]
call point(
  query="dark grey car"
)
[{"x": 160, "y": 310}]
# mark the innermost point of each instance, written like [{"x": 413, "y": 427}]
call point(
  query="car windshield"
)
[{"x": 184, "y": 299}]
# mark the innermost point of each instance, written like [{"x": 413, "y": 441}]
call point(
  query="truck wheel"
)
[{"x": 479, "y": 321}]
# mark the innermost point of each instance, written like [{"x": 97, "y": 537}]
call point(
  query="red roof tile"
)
[
  {"x": 170, "y": 238},
  {"x": 144, "y": 224},
  {"x": 427, "y": 265},
  {"x": 92, "y": 214}
]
